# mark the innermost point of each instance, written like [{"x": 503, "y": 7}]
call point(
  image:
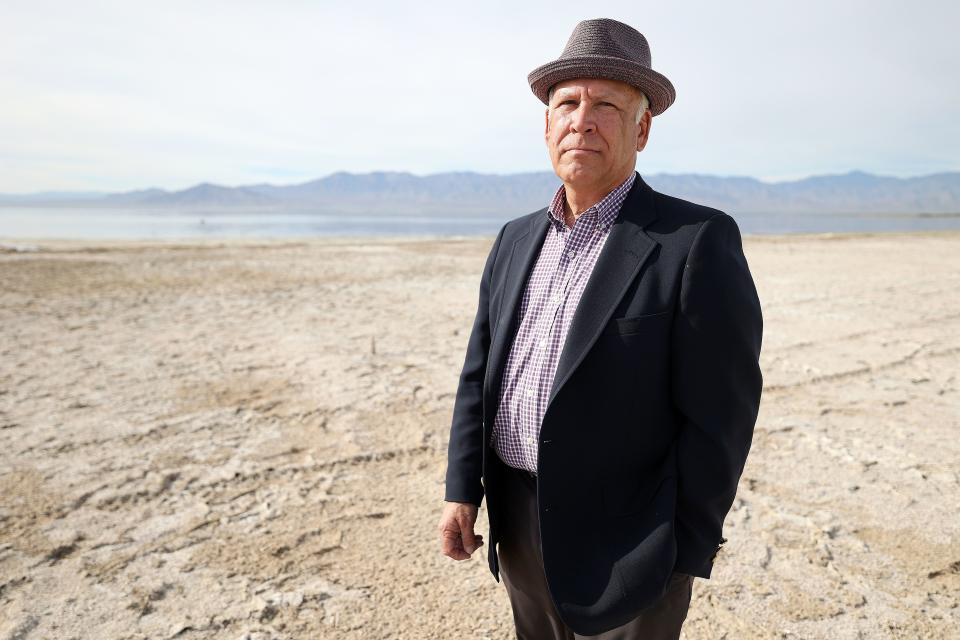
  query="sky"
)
[{"x": 113, "y": 96}]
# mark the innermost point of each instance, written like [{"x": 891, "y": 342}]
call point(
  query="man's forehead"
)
[{"x": 594, "y": 87}]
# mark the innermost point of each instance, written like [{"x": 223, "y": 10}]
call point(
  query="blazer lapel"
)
[{"x": 626, "y": 249}]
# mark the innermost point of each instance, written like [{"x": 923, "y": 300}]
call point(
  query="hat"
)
[{"x": 605, "y": 48}]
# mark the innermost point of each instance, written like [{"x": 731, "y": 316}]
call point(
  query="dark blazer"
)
[{"x": 651, "y": 412}]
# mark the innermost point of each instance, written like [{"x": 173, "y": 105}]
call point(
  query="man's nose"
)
[{"x": 582, "y": 120}]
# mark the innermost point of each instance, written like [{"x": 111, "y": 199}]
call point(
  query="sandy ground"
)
[{"x": 247, "y": 440}]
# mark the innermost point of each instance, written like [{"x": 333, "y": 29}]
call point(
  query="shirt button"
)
[
  {"x": 555, "y": 297},
  {"x": 529, "y": 440},
  {"x": 529, "y": 393},
  {"x": 542, "y": 343},
  {"x": 571, "y": 253}
]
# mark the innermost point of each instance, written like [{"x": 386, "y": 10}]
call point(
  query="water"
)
[{"x": 76, "y": 223}]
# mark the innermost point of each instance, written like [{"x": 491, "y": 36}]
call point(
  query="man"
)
[{"x": 611, "y": 381}]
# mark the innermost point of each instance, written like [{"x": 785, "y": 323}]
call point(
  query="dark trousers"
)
[{"x": 521, "y": 569}]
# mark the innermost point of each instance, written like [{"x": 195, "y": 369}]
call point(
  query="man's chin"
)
[{"x": 579, "y": 172}]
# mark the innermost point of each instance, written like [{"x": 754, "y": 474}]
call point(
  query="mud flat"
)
[{"x": 247, "y": 440}]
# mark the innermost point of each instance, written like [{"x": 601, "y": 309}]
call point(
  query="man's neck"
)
[{"x": 580, "y": 199}]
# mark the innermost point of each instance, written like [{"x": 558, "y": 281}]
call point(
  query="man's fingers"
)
[
  {"x": 471, "y": 541},
  {"x": 477, "y": 543},
  {"x": 468, "y": 540},
  {"x": 452, "y": 545},
  {"x": 458, "y": 540}
]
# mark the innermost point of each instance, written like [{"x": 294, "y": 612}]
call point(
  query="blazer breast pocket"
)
[{"x": 636, "y": 324}]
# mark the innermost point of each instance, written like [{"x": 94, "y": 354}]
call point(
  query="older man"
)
[{"x": 611, "y": 381}]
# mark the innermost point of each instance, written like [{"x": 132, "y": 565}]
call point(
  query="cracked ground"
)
[{"x": 247, "y": 440}]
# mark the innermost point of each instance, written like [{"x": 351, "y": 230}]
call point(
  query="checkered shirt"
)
[{"x": 566, "y": 260}]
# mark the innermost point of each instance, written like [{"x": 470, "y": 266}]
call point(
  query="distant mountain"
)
[
  {"x": 141, "y": 195},
  {"x": 853, "y": 192},
  {"x": 202, "y": 195},
  {"x": 50, "y": 197},
  {"x": 467, "y": 192},
  {"x": 406, "y": 193}
]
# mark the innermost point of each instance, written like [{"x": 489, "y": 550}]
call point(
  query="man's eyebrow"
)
[
  {"x": 596, "y": 97},
  {"x": 609, "y": 97},
  {"x": 566, "y": 94}
]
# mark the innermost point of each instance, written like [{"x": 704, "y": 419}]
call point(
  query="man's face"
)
[{"x": 591, "y": 132}]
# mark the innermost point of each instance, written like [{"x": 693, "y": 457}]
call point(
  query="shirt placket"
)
[
  {"x": 548, "y": 323},
  {"x": 532, "y": 401},
  {"x": 524, "y": 398}
]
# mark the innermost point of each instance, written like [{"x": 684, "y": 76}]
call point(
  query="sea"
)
[{"x": 20, "y": 223}]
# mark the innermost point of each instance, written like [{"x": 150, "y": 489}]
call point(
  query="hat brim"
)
[{"x": 658, "y": 89}]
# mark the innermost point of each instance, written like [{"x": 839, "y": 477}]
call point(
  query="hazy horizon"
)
[{"x": 277, "y": 183}]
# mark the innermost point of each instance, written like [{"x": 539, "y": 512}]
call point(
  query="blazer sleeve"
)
[
  {"x": 716, "y": 386},
  {"x": 465, "y": 449}
]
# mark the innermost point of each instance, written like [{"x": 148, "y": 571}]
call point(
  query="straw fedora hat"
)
[{"x": 605, "y": 48}]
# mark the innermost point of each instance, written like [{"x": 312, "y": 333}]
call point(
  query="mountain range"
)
[{"x": 468, "y": 192}]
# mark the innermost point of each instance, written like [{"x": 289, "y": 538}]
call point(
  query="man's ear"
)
[
  {"x": 546, "y": 122},
  {"x": 643, "y": 129}
]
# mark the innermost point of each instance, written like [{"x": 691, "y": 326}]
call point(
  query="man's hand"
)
[{"x": 457, "y": 539}]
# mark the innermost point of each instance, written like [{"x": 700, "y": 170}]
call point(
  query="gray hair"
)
[{"x": 644, "y": 103}]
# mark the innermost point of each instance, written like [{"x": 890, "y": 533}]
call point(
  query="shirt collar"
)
[{"x": 603, "y": 213}]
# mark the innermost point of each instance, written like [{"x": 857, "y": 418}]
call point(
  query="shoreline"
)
[{"x": 6, "y": 243}]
